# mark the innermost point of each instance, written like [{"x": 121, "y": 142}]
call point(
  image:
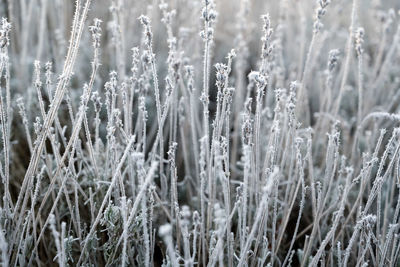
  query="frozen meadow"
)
[{"x": 200, "y": 133}]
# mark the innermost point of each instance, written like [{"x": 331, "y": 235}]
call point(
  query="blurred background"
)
[{"x": 42, "y": 33}]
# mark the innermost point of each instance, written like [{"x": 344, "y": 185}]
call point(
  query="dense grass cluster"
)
[{"x": 199, "y": 133}]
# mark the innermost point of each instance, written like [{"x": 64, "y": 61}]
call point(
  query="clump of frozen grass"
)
[{"x": 199, "y": 150}]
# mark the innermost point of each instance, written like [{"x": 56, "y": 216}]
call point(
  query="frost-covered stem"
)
[
  {"x": 302, "y": 107},
  {"x": 224, "y": 180},
  {"x": 308, "y": 245},
  {"x": 192, "y": 110},
  {"x": 22, "y": 113},
  {"x": 143, "y": 113},
  {"x": 56, "y": 236},
  {"x": 359, "y": 52},
  {"x": 209, "y": 16},
  {"x": 203, "y": 177},
  {"x": 397, "y": 209},
  {"x": 311, "y": 174},
  {"x": 144, "y": 215},
  {"x": 97, "y": 107},
  {"x": 226, "y": 92},
  {"x": 196, "y": 223},
  {"x": 221, "y": 83},
  {"x": 22, "y": 241},
  {"x": 302, "y": 202},
  {"x": 331, "y": 163},
  {"x": 63, "y": 252},
  {"x": 257, "y": 127},
  {"x": 90, "y": 145},
  {"x": 273, "y": 226},
  {"x": 145, "y": 21},
  {"x": 95, "y": 30},
  {"x": 5, "y": 109},
  {"x": 78, "y": 217},
  {"x": 247, "y": 173},
  {"x": 3, "y": 249},
  {"x": 239, "y": 71},
  {"x": 35, "y": 195},
  {"x": 125, "y": 236},
  {"x": 339, "y": 254},
  {"x": 186, "y": 248},
  {"x": 194, "y": 134},
  {"x": 174, "y": 178},
  {"x": 9, "y": 110},
  {"x": 151, "y": 215},
  {"x": 347, "y": 59},
  {"x": 118, "y": 38},
  {"x": 389, "y": 201}
]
